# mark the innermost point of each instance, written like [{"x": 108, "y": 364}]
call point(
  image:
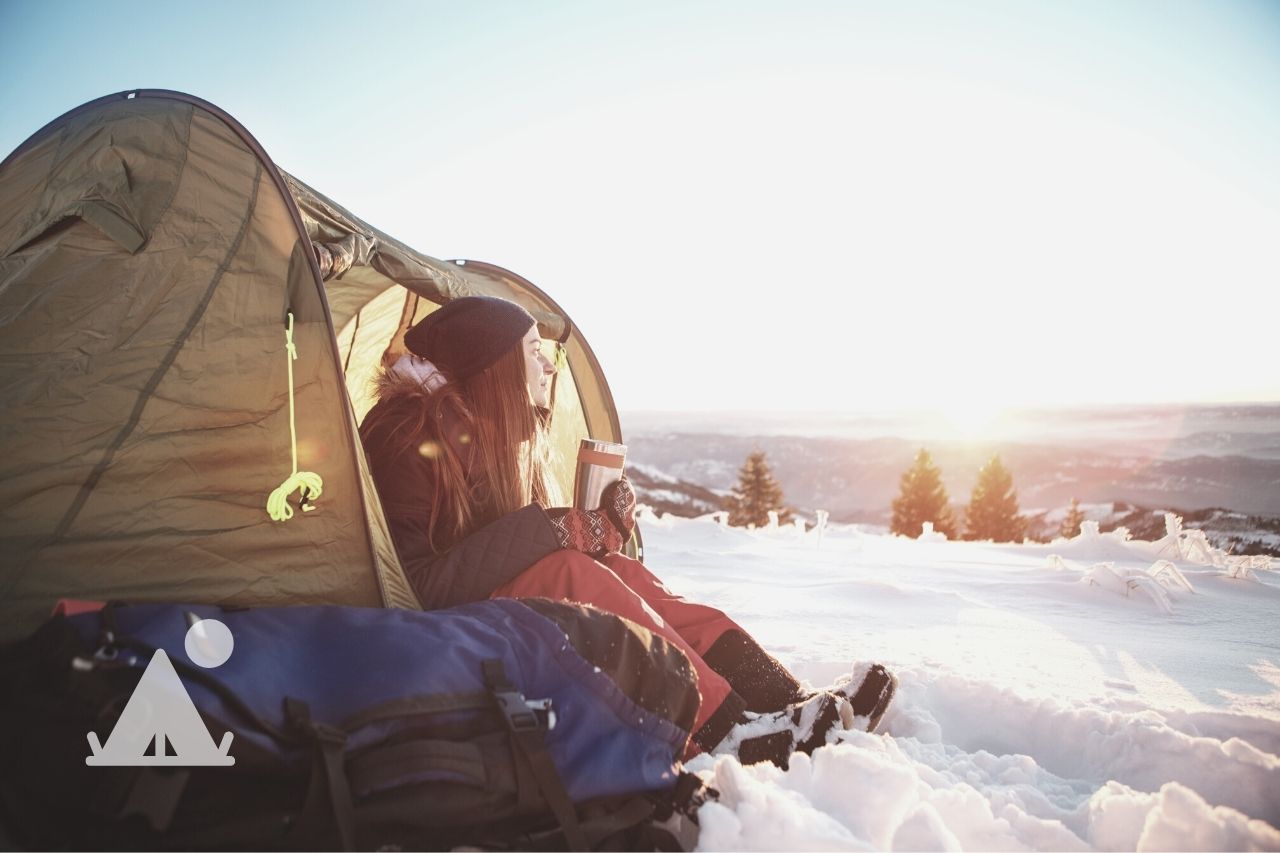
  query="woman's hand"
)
[
  {"x": 598, "y": 531},
  {"x": 618, "y": 501}
]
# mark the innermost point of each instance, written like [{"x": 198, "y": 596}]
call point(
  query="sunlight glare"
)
[{"x": 972, "y": 419}]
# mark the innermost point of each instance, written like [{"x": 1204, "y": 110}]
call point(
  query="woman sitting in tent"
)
[{"x": 459, "y": 452}]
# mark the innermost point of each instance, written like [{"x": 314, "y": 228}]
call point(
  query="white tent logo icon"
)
[{"x": 160, "y": 712}]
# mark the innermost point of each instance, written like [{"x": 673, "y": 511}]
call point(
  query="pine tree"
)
[
  {"x": 756, "y": 493},
  {"x": 993, "y": 506},
  {"x": 1071, "y": 524},
  {"x": 921, "y": 498}
]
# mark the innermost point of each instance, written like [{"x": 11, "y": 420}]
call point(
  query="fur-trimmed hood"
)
[{"x": 410, "y": 375}]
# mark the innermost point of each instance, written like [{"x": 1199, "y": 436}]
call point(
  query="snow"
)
[
  {"x": 1036, "y": 710},
  {"x": 668, "y": 496},
  {"x": 1102, "y": 512},
  {"x": 651, "y": 472}
]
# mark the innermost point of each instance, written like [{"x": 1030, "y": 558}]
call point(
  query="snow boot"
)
[
  {"x": 802, "y": 726},
  {"x": 871, "y": 698},
  {"x": 711, "y": 733},
  {"x": 754, "y": 674}
]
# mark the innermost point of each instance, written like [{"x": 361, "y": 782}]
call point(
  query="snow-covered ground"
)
[{"x": 1069, "y": 696}]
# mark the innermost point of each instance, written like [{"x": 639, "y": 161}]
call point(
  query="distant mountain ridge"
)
[
  {"x": 1234, "y": 532},
  {"x": 666, "y": 494},
  {"x": 852, "y": 477},
  {"x": 1235, "y": 498}
]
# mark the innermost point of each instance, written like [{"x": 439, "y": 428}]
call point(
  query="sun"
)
[{"x": 971, "y": 419}]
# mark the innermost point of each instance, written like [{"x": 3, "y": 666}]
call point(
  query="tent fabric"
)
[
  {"x": 150, "y": 253},
  {"x": 388, "y": 287}
]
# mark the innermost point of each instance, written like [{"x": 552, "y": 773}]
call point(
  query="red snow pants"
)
[{"x": 625, "y": 587}]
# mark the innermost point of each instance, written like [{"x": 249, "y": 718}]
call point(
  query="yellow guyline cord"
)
[{"x": 310, "y": 484}]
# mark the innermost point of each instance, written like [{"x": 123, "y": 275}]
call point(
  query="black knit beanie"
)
[{"x": 468, "y": 334}]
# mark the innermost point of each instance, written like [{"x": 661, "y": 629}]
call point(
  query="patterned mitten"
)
[
  {"x": 598, "y": 531},
  {"x": 618, "y": 502},
  {"x": 587, "y": 530}
]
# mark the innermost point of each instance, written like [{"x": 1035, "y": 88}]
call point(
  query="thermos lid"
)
[{"x": 604, "y": 446}]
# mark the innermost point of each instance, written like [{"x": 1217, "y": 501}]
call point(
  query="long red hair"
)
[{"x": 509, "y": 447}]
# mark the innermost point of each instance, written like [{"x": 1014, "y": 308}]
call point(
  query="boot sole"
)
[{"x": 874, "y": 695}]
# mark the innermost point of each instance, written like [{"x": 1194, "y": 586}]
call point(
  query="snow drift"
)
[{"x": 1045, "y": 702}]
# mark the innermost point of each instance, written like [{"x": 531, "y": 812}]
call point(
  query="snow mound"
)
[
  {"x": 1034, "y": 711},
  {"x": 928, "y": 534},
  {"x": 913, "y": 798}
]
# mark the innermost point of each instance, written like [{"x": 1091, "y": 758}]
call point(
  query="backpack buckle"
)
[
  {"x": 520, "y": 714},
  {"x": 544, "y": 711}
]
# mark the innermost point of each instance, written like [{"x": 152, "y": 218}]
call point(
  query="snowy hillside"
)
[
  {"x": 664, "y": 493},
  {"x": 1097, "y": 693},
  {"x": 1193, "y": 458}
]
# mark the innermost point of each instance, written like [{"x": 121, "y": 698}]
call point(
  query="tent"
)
[{"x": 153, "y": 261}]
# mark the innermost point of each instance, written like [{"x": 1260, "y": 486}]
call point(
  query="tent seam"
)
[
  {"x": 346, "y": 365},
  {"x": 182, "y": 167}
]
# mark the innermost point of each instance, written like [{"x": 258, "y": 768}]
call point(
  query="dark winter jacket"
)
[{"x": 485, "y": 559}]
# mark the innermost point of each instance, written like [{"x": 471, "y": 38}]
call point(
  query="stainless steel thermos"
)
[{"x": 599, "y": 464}]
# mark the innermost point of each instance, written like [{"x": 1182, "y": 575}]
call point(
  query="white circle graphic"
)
[{"x": 209, "y": 643}]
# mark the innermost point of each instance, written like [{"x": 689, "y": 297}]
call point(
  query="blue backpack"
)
[{"x": 502, "y": 724}]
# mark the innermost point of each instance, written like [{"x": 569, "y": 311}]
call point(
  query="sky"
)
[{"x": 793, "y": 206}]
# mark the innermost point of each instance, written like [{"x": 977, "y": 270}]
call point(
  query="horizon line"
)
[{"x": 941, "y": 409}]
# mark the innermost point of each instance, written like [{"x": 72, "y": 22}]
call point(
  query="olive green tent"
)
[{"x": 151, "y": 257}]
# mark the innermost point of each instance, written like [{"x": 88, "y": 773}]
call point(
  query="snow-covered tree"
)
[
  {"x": 1071, "y": 524},
  {"x": 755, "y": 495},
  {"x": 993, "y": 506},
  {"x": 922, "y": 497}
]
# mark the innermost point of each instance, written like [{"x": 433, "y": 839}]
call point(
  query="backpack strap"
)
[
  {"x": 388, "y": 767},
  {"x": 526, "y": 731},
  {"x": 632, "y": 812},
  {"x": 328, "y": 794},
  {"x": 674, "y": 825},
  {"x": 431, "y": 703}
]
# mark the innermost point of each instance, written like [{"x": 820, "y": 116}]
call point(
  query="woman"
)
[{"x": 459, "y": 452}]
